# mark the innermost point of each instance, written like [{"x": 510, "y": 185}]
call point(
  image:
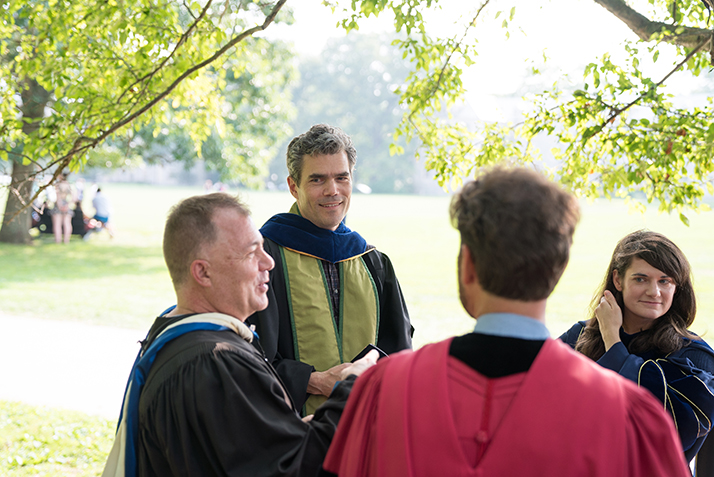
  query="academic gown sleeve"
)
[
  {"x": 275, "y": 330},
  {"x": 646, "y": 437},
  {"x": 571, "y": 336},
  {"x": 220, "y": 411},
  {"x": 686, "y": 390},
  {"x": 683, "y": 381}
]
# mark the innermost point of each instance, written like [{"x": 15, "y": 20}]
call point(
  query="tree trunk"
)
[{"x": 16, "y": 228}]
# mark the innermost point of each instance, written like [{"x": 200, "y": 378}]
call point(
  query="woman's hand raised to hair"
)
[{"x": 609, "y": 317}]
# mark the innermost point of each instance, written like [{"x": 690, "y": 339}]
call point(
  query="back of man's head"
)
[
  {"x": 190, "y": 226},
  {"x": 319, "y": 140},
  {"x": 518, "y": 227}
]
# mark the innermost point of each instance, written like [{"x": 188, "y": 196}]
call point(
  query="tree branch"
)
[
  {"x": 234, "y": 41},
  {"x": 178, "y": 45},
  {"x": 83, "y": 143},
  {"x": 690, "y": 37},
  {"x": 456, "y": 47},
  {"x": 619, "y": 111}
]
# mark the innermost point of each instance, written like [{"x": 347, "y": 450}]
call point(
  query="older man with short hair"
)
[{"x": 202, "y": 398}]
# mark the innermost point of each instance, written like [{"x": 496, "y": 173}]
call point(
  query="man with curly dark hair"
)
[{"x": 505, "y": 399}]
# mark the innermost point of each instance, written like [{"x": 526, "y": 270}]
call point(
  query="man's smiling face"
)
[{"x": 323, "y": 195}]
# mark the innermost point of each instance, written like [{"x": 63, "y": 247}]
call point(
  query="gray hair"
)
[{"x": 321, "y": 139}]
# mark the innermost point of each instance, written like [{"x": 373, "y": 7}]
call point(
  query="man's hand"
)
[
  {"x": 322, "y": 382},
  {"x": 361, "y": 365},
  {"x": 609, "y": 317}
]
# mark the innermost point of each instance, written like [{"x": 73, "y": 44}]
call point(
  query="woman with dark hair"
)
[{"x": 639, "y": 329}]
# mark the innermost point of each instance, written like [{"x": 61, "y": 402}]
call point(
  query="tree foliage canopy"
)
[
  {"x": 73, "y": 74},
  {"x": 351, "y": 84},
  {"x": 618, "y": 133},
  {"x": 113, "y": 65},
  {"x": 255, "y": 110}
]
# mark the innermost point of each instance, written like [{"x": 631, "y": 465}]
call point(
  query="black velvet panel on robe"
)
[{"x": 275, "y": 331}]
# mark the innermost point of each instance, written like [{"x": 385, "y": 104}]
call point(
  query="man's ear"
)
[
  {"x": 616, "y": 280},
  {"x": 200, "y": 272},
  {"x": 292, "y": 185},
  {"x": 467, "y": 270}
]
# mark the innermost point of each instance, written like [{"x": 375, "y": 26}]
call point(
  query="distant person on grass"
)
[
  {"x": 102, "y": 212},
  {"x": 639, "y": 329},
  {"x": 63, "y": 209},
  {"x": 202, "y": 399},
  {"x": 506, "y": 399}
]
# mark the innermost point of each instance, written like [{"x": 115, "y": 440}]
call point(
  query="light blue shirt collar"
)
[{"x": 510, "y": 325}]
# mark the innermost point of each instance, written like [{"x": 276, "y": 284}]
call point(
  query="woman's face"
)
[{"x": 647, "y": 294}]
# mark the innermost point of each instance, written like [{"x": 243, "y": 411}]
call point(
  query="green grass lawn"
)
[
  {"x": 36, "y": 440},
  {"x": 123, "y": 282}
]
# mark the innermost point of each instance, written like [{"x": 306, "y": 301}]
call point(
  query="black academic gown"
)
[
  {"x": 275, "y": 331},
  {"x": 683, "y": 380},
  {"x": 213, "y": 406}
]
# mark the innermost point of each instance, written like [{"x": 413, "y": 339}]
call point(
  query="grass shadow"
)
[{"x": 77, "y": 261}]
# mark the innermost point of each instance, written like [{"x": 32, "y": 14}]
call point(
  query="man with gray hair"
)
[{"x": 331, "y": 294}]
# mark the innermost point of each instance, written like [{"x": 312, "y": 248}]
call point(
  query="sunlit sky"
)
[{"x": 571, "y": 33}]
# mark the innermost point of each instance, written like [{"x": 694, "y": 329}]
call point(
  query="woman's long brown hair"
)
[{"x": 665, "y": 335}]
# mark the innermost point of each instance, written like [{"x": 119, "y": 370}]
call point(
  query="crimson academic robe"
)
[{"x": 566, "y": 417}]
